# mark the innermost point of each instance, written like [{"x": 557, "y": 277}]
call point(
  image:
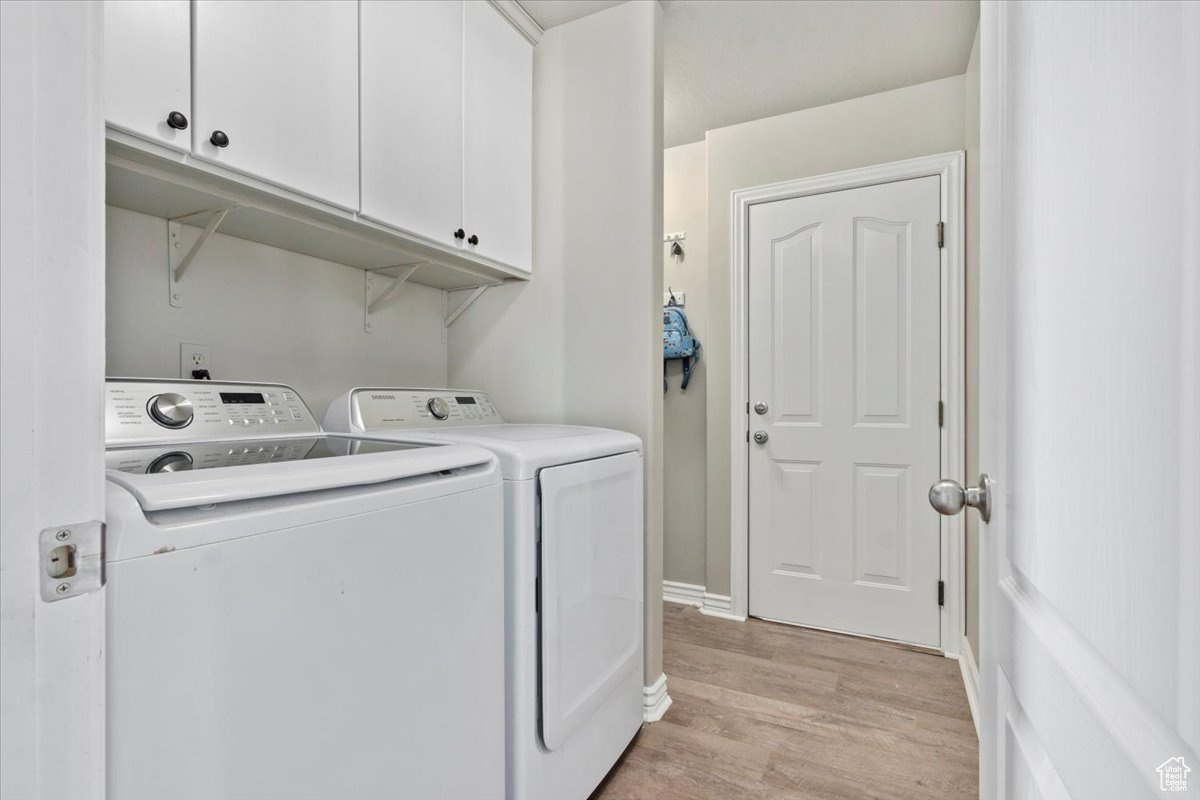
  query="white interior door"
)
[
  {"x": 844, "y": 343},
  {"x": 1090, "y": 399},
  {"x": 280, "y": 79},
  {"x": 412, "y": 116},
  {"x": 51, "y": 392}
]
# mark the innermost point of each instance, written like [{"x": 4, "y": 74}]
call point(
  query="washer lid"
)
[
  {"x": 525, "y": 449},
  {"x": 204, "y": 473}
]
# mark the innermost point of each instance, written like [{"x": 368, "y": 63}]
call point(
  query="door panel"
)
[
  {"x": 881, "y": 307},
  {"x": 280, "y": 79},
  {"x": 412, "y": 115},
  {"x": 1090, "y": 397},
  {"x": 498, "y": 137},
  {"x": 844, "y": 345},
  {"x": 796, "y": 274},
  {"x": 148, "y": 67},
  {"x": 591, "y": 587}
]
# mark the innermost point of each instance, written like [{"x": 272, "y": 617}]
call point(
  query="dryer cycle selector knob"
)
[
  {"x": 170, "y": 410},
  {"x": 438, "y": 407}
]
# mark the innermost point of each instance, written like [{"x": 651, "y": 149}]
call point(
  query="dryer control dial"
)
[
  {"x": 438, "y": 407},
  {"x": 170, "y": 410}
]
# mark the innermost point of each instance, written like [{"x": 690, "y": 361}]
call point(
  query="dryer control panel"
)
[
  {"x": 381, "y": 409},
  {"x": 140, "y": 411}
]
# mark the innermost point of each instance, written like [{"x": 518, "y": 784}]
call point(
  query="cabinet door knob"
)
[
  {"x": 177, "y": 120},
  {"x": 219, "y": 139},
  {"x": 473, "y": 239},
  {"x": 460, "y": 233}
]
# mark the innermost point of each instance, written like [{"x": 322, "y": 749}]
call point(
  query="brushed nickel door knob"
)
[{"x": 949, "y": 497}]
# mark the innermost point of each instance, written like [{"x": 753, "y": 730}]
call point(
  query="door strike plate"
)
[{"x": 71, "y": 560}]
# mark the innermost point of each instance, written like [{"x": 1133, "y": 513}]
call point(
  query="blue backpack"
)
[{"x": 678, "y": 341}]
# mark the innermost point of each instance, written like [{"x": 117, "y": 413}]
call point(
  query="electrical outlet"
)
[{"x": 194, "y": 357}]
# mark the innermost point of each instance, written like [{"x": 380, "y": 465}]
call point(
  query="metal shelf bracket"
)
[
  {"x": 450, "y": 316},
  {"x": 179, "y": 259},
  {"x": 371, "y": 280}
]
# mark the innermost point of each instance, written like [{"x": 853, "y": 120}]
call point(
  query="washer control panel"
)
[
  {"x": 144, "y": 411},
  {"x": 380, "y": 409}
]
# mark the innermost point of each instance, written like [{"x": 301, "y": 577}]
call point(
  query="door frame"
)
[{"x": 949, "y": 169}]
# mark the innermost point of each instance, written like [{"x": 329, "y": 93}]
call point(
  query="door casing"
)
[{"x": 949, "y": 168}]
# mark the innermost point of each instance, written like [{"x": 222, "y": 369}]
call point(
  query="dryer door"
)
[{"x": 591, "y": 587}]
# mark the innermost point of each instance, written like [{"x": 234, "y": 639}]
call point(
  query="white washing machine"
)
[
  {"x": 292, "y": 614},
  {"x": 573, "y": 592}
]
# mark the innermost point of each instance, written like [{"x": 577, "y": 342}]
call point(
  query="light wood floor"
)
[{"x": 763, "y": 710}]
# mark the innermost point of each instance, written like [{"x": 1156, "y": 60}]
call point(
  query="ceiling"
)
[{"x": 731, "y": 61}]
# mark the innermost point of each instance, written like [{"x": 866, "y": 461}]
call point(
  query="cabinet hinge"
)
[
  {"x": 941, "y": 593},
  {"x": 941, "y": 234},
  {"x": 72, "y": 560},
  {"x": 941, "y": 414}
]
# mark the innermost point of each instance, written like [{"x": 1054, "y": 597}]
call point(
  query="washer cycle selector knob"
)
[
  {"x": 438, "y": 407},
  {"x": 170, "y": 410},
  {"x": 170, "y": 462}
]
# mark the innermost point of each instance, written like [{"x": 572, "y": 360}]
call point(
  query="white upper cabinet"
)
[
  {"x": 497, "y": 138},
  {"x": 148, "y": 69},
  {"x": 412, "y": 116},
  {"x": 276, "y": 93}
]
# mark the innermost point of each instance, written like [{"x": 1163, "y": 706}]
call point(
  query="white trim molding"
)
[
  {"x": 949, "y": 168},
  {"x": 688, "y": 594},
  {"x": 655, "y": 700},
  {"x": 692, "y": 594},
  {"x": 720, "y": 605},
  {"x": 520, "y": 19},
  {"x": 970, "y": 674}
]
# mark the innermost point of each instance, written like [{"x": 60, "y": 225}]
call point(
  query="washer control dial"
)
[
  {"x": 438, "y": 407},
  {"x": 170, "y": 462},
  {"x": 170, "y": 410}
]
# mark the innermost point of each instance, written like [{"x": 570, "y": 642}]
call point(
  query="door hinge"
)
[
  {"x": 747, "y": 437},
  {"x": 941, "y": 234},
  {"x": 941, "y": 593},
  {"x": 72, "y": 560},
  {"x": 747, "y": 406},
  {"x": 941, "y": 414}
]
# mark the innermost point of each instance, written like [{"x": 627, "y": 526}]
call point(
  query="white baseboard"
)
[
  {"x": 719, "y": 605},
  {"x": 688, "y": 594},
  {"x": 655, "y": 700},
  {"x": 970, "y": 673},
  {"x": 691, "y": 594}
]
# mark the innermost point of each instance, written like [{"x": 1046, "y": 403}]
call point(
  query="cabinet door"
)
[
  {"x": 412, "y": 116},
  {"x": 498, "y": 137},
  {"x": 280, "y": 79},
  {"x": 148, "y": 68}
]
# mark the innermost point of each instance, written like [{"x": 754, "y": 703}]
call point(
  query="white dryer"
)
[
  {"x": 292, "y": 614},
  {"x": 573, "y": 592}
]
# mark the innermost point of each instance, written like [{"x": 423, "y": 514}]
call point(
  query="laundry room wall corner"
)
[{"x": 580, "y": 342}]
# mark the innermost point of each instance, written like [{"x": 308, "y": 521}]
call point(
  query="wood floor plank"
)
[{"x": 765, "y": 710}]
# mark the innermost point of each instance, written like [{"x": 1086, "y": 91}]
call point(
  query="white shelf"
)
[{"x": 156, "y": 180}]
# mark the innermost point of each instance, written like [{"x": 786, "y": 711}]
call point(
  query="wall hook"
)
[{"x": 676, "y": 249}]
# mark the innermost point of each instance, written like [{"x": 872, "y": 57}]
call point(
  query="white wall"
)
[
  {"x": 685, "y": 208},
  {"x": 581, "y": 342},
  {"x": 914, "y": 121},
  {"x": 269, "y": 315}
]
